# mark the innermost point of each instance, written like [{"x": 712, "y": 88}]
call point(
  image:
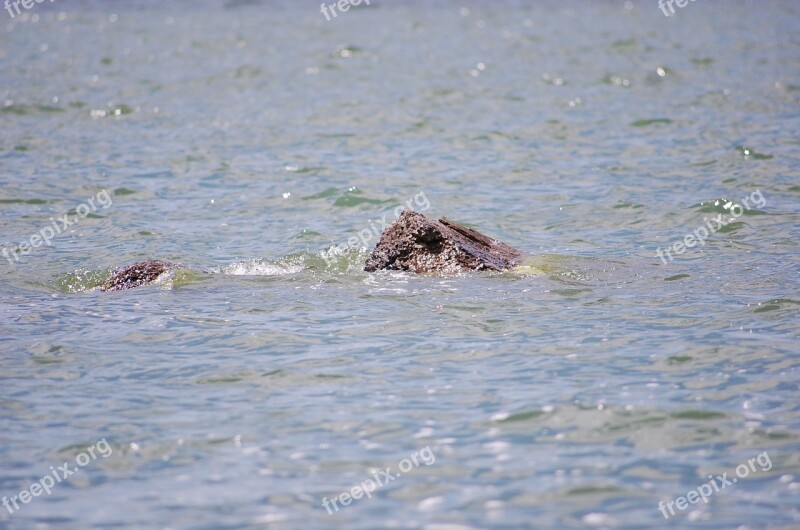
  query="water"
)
[{"x": 250, "y": 139}]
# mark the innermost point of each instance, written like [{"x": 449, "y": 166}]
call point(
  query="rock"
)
[
  {"x": 140, "y": 273},
  {"x": 417, "y": 244},
  {"x": 412, "y": 243}
]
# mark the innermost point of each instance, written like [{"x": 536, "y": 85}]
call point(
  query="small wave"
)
[
  {"x": 261, "y": 267},
  {"x": 81, "y": 280},
  {"x": 331, "y": 260}
]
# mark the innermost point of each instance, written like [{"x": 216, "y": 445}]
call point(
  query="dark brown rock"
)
[
  {"x": 417, "y": 244},
  {"x": 140, "y": 273}
]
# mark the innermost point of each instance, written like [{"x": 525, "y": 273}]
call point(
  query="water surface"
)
[{"x": 250, "y": 139}]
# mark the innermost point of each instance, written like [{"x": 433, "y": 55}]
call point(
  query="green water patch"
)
[
  {"x": 420, "y": 124},
  {"x": 525, "y": 270},
  {"x": 23, "y": 201},
  {"x": 112, "y": 111},
  {"x": 50, "y": 354},
  {"x": 638, "y": 423},
  {"x": 676, "y": 277},
  {"x": 731, "y": 228},
  {"x": 90, "y": 215},
  {"x": 652, "y": 121},
  {"x": 272, "y": 379},
  {"x": 775, "y": 305},
  {"x": 727, "y": 206},
  {"x": 306, "y": 170},
  {"x": 493, "y": 135},
  {"x": 307, "y": 234},
  {"x": 247, "y": 72},
  {"x": 330, "y": 192},
  {"x": 338, "y": 259},
  {"x": 444, "y": 92},
  {"x": 348, "y": 201},
  {"x": 346, "y": 51},
  {"x": 222, "y": 379},
  {"x": 22, "y": 109},
  {"x": 182, "y": 277},
  {"x": 625, "y": 44},
  {"x": 699, "y": 415},
  {"x": 81, "y": 280},
  {"x": 621, "y": 205},
  {"x": 522, "y": 416},
  {"x": 679, "y": 359},
  {"x": 600, "y": 301},
  {"x": 775, "y": 435},
  {"x": 571, "y": 272},
  {"x": 155, "y": 174},
  {"x": 354, "y": 197},
  {"x": 593, "y": 490},
  {"x": 121, "y": 110},
  {"x": 335, "y": 135}
]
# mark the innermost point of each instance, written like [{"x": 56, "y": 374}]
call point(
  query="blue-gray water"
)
[{"x": 249, "y": 138}]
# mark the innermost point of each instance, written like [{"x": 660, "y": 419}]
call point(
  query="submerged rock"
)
[
  {"x": 412, "y": 243},
  {"x": 417, "y": 244},
  {"x": 140, "y": 273}
]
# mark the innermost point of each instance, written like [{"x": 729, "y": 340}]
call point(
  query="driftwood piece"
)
[
  {"x": 417, "y": 244},
  {"x": 140, "y": 273}
]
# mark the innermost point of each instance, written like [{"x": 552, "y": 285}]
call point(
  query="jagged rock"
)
[
  {"x": 417, "y": 244},
  {"x": 140, "y": 273}
]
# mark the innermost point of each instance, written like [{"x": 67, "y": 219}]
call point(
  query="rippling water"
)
[{"x": 251, "y": 140}]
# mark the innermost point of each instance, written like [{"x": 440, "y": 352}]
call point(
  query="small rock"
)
[{"x": 140, "y": 273}]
